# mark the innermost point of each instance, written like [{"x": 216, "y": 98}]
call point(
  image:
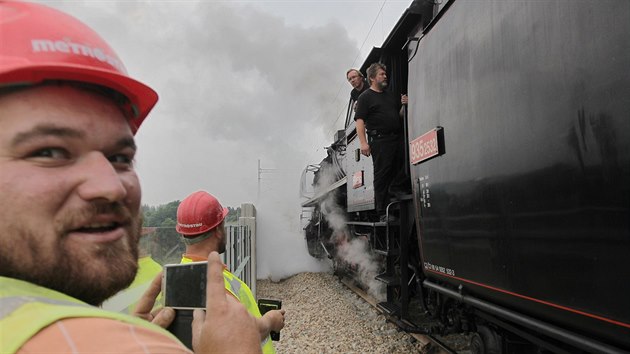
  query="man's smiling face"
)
[{"x": 69, "y": 191}]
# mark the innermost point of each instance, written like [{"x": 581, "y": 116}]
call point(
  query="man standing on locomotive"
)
[
  {"x": 358, "y": 82},
  {"x": 380, "y": 130}
]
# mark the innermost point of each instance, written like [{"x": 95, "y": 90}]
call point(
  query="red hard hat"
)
[
  {"x": 198, "y": 213},
  {"x": 39, "y": 43}
]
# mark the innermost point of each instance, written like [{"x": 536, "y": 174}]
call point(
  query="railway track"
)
[{"x": 429, "y": 343}]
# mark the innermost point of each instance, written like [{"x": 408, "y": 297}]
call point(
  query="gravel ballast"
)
[{"x": 324, "y": 316}]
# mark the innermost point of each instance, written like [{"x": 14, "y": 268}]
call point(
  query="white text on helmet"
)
[
  {"x": 186, "y": 226},
  {"x": 64, "y": 46}
]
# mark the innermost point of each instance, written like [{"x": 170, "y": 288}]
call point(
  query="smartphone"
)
[
  {"x": 184, "y": 289},
  {"x": 184, "y": 285},
  {"x": 265, "y": 305}
]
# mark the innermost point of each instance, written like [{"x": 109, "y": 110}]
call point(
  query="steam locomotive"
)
[{"x": 517, "y": 230}]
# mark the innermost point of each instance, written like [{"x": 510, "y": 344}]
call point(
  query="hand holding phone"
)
[
  {"x": 146, "y": 306},
  {"x": 184, "y": 289},
  {"x": 266, "y": 305},
  {"x": 225, "y": 326}
]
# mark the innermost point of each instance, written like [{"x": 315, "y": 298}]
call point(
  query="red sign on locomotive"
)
[{"x": 424, "y": 147}]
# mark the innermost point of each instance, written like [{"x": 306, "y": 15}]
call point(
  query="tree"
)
[{"x": 166, "y": 245}]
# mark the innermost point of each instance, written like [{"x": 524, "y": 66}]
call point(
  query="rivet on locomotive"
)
[{"x": 517, "y": 231}]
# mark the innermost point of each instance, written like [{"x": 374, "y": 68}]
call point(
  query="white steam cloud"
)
[
  {"x": 353, "y": 250},
  {"x": 281, "y": 247}
]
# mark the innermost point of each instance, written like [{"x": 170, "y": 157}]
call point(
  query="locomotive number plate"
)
[
  {"x": 357, "y": 179},
  {"x": 424, "y": 147}
]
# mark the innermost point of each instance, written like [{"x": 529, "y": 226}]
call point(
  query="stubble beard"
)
[{"x": 91, "y": 276}]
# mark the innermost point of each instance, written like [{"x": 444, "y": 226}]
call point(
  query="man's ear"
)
[{"x": 220, "y": 231}]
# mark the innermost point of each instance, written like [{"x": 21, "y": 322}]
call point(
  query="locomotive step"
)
[
  {"x": 372, "y": 223},
  {"x": 389, "y": 308},
  {"x": 389, "y": 279},
  {"x": 390, "y": 252},
  {"x": 400, "y": 196}
]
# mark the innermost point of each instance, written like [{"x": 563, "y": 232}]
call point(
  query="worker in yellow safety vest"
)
[
  {"x": 200, "y": 222},
  {"x": 71, "y": 200}
]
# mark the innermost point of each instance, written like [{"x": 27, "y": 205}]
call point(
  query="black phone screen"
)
[{"x": 184, "y": 285}]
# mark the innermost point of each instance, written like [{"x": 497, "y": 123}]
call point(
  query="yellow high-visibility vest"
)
[
  {"x": 28, "y": 308},
  {"x": 148, "y": 269},
  {"x": 242, "y": 292},
  {"x": 126, "y": 300}
]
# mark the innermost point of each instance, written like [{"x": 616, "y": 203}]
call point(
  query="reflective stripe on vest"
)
[
  {"x": 28, "y": 308},
  {"x": 235, "y": 285},
  {"x": 242, "y": 292}
]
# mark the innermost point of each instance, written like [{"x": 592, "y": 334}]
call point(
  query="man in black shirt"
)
[
  {"x": 358, "y": 82},
  {"x": 380, "y": 131}
]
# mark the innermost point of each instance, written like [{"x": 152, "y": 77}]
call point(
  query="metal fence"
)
[
  {"x": 238, "y": 254},
  {"x": 243, "y": 250}
]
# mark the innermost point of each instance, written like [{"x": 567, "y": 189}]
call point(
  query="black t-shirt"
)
[
  {"x": 379, "y": 111},
  {"x": 354, "y": 94}
]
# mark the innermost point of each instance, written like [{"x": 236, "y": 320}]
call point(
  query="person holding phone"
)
[
  {"x": 201, "y": 224},
  {"x": 71, "y": 215}
]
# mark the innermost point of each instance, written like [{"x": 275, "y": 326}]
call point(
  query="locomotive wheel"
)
[
  {"x": 486, "y": 341},
  {"x": 476, "y": 344}
]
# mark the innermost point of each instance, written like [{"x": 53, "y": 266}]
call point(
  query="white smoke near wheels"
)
[{"x": 354, "y": 251}]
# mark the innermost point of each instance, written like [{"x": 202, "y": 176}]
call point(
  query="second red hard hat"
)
[{"x": 198, "y": 213}]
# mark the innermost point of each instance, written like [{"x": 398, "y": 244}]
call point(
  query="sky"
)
[{"x": 242, "y": 84}]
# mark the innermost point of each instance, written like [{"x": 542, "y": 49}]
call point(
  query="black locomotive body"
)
[{"x": 518, "y": 131}]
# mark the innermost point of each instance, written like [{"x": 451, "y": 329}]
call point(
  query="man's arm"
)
[{"x": 365, "y": 148}]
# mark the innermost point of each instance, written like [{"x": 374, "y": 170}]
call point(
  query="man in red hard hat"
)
[
  {"x": 201, "y": 223},
  {"x": 71, "y": 218}
]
